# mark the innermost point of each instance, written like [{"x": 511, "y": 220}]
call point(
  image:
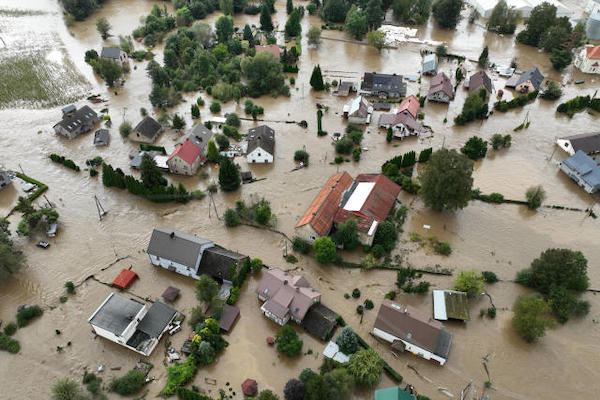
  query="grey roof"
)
[
  {"x": 176, "y": 246},
  {"x": 199, "y": 134},
  {"x": 116, "y": 313},
  {"x": 101, "y": 137},
  {"x": 320, "y": 321},
  {"x": 4, "y": 178},
  {"x": 148, "y": 127},
  {"x": 217, "y": 261},
  {"x": 534, "y": 75},
  {"x": 429, "y": 63},
  {"x": 110, "y": 52},
  {"x": 156, "y": 319},
  {"x": 592, "y": 31},
  {"x": 589, "y": 143},
  {"x": 74, "y": 120},
  {"x": 441, "y": 83},
  {"x": 136, "y": 162},
  {"x": 442, "y": 346},
  {"x": 68, "y": 109},
  {"x": 585, "y": 166},
  {"x": 263, "y": 137},
  {"x": 478, "y": 80},
  {"x": 372, "y": 81}
]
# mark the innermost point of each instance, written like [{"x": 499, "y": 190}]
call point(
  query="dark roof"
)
[
  {"x": 589, "y": 143},
  {"x": 217, "y": 261},
  {"x": 372, "y": 81},
  {"x": 4, "y": 178},
  {"x": 101, "y": 136},
  {"x": 534, "y": 75},
  {"x": 200, "y": 135},
  {"x": 263, "y": 137},
  {"x": 110, "y": 52},
  {"x": 229, "y": 315},
  {"x": 156, "y": 319},
  {"x": 116, "y": 313},
  {"x": 320, "y": 321},
  {"x": 176, "y": 246},
  {"x": 68, "y": 109},
  {"x": 73, "y": 120},
  {"x": 148, "y": 127},
  {"x": 478, "y": 80},
  {"x": 380, "y": 106},
  {"x": 170, "y": 294}
]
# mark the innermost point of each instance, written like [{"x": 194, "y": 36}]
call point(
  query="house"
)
[
  {"x": 589, "y": 143},
  {"x": 368, "y": 199},
  {"x": 480, "y": 80},
  {"x": 344, "y": 88},
  {"x": 191, "y": 255},
  {"x": 393, "y": 393},
  {"x": 200, "y": 135},
  {"x": 592, "y": 26},
  {"x": 588, "y": 60},
  {"x": 404, "y": 122},
  {"x": 485, "y": 7},
  {"x": 261, "y": 145},
  {"x": 408, "y": 329},
  {"x": 384, "y": 86},
  {"x": 320, "y": 321},
  {"x": 101, "y": 137},
  {"x": 381, "y": 106},
  {"x": 583, "y": 170},
  {"x": 115, "y": 54},
  {"x": 146, "y": 131},
  {"x": 186, "y": 158},
  {"x": 131, "y": 323},
  {"x": 136, "y": 160},
  {"x": 440, "y": 89},
  {"x": 430, "y": 64},
  {"x": 75, "y": 122},
  {"x": 5, "y": 179},
  {"x": 450, "y": 304},
  {"x": 592, "y": 6},
  {"x": 269, "y": 48},
  {"x": 358, "y": 111},
  {"x": 528, "y": 81},
  {"x": 285, "y": 296}
]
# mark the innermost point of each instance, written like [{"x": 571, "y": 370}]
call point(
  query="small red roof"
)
[
  {"x": 593, "y": 52},
  {"x": 410, "y": 104},
  {"x": 249, "y": 387},
  {"x": 124, "y": 279},
  {"x": 271, "y": 48},
  {"x": 188, "y": 151}
]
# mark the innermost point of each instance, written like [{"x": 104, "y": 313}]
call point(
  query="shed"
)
[
  {"x": 393, "y": 393},
  {"x": 124, "y": 279},
  {"x": 229, "y": 315},
  {"x": 450, "y": 304},
  {"x": 170, "y": 294},
  {"x": 249, "y": 387}
]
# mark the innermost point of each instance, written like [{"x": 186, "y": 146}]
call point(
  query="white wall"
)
[
  {"x": 190, "y": 271},
  {"x": 259, "y": 155},
  {"x": 416, "y": 350}
]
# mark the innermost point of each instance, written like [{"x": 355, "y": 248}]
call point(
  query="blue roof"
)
[
  {"x": 393, "y": 393},
  {"x": 429, "y": 63},
  {"x": 585, "y": 166}
]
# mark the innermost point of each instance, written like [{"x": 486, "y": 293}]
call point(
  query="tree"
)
[
  {"x": 447, "y": 12},
  {"x": 231, "y": 218},
  {"x": 109, "y": 70},
  {"x": 212, "y": 153},
  {"x": 178, "y": 122},
  {"x": 475, "y": 148},
  {"x": 470, "y": 282},
  {"x": 233, "y": 120},
  {"x": 11, "y": 259},
  {"x": 266, "y": 22},
  {"x": 324, "y": 250},
  {"x": 375, "y": 14},
  {"x": 103, "y": 27},
  {"x": 446, "y": 181},
  {"x": 344, "y": 145},
  {"x": 195, "y": 111},
  {"x": 289, "y": 7},
  {"x": 292, "y": 26},
  {"x": 151, "y": 175},
  {"x": 294, "y": 389},
  {"x": 335, "y": 10},
  {"x": 314, "y": 36},
  {"x": 287, "y": 341},
  {"x": 483, "y": 58},
  {"x": 204, "y": 34},
  {"x": 267, "y": 395},
  {"x": 206, "y": 288},
  {"x": 183, "y": 17},
  {"x": 316, "y": 79},
  {"x": 125, "y": 129},
  {"x": 222, "y": 142},
  {"x": 66, "y": 389},
  {"x": 560, "y": 59},
  {"x": 347, "y": 234},
  {"x": 503, "y": 19},
  {"x": 442, "y": 51},
  {"x": 356, "y": 23},
  {"x": 229, "y": 175},
  {"x": 386, "y": 235},
  {"x": 205, "y": 354},
  {"x": 224, "y": 28},
  {"x": 556, "y": 268},
  {"x": 301, "y": 156},
  {"x": 475, "y": 107},
  {"x": 531, "y": 318},
  {"x": 376, "y": 39},
  {"x": 411, "y": 11},
  {"x": 389, "y": 136},
  {"x": 80, "y": 9},
  {"x": 552, "y": 91},
  {"x": 535, "y": 197},
  {"x": 540, "y": 19},
  {"x": 347, "y": 341},
  {"x": 264, "y": 74},
  {"x": 366, "y": 367}
]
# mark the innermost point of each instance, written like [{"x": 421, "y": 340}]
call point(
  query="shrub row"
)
[
  {"x": 520, "y": 101},
  {"x": 64, "y": 161}
]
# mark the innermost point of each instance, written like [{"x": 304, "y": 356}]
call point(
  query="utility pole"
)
[
  {"x": 21, "y": 168},
  {"x": 101, "y": 211}
]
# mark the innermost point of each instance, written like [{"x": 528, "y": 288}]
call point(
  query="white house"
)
[
  {"x": 185, "y": 159},
  {"x": 261, "y": 145},
  {"x": 583, "y": 170},
  {"x": 131, "y": 323},
  {"x": 589, "y": 143},
  {"x": 588, "y": 60},
  {"x": 408, "y": 329},
  {"x": 115, "y": 54},
  {"x": 358, "y": 111}
]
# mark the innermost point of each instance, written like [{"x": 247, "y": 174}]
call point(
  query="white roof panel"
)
[
  {"x": 359, "y": 196},
  {"x": 439, "y": 305}
]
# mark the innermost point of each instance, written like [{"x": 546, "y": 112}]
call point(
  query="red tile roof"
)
[
  {"x": 593, "y": 52},
  {"x": 124, "y": 279},
  {"x": 188, "y": 151},
  {"x": 249, "y": 387},
  {"x": 411, "y": 104},
  {"x": 271, "y": 48},
  {"x": 322, "y": 210}
]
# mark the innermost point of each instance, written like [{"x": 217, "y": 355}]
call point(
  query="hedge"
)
[{"x": 41, "y": 186}]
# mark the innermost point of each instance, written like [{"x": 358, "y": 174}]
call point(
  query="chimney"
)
[
  {"x": 172, "y": 235},
  {"x": 285, "y": 282}
]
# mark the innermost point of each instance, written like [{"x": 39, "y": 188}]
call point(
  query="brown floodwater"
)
[{"x": 500, "y": 238}]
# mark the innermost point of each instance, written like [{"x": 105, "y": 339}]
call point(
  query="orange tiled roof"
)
[
  {"x": 593, "y": 52},
  {"x": 411, "y": 104}
]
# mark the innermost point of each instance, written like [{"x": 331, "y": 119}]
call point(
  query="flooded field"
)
[{"x": 500, "y": 238}]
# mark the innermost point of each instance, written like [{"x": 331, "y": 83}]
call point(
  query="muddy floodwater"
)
[{"x": 500, "y": 238}]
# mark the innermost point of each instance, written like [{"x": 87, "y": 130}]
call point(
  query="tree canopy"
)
[
  {"x": 356, "y": 23},
  {"x": 470, "y": 282},
  {"x": 412, "y": 11},
  {"x": 287, "y": 341},
  {"x": 316, "y": 78},
  {"x": 324, "y": 250},
  {"x": 558, "y": 267},
  {"x": 347, "y": 234},
  {"x": 229, "y": 175},
  {"x": 503, "y": 19},
  {"x": 206, "y": 288},
  {"x": 266, "y": 21},
  {"x": 292, "y": 26},
  {"x": 11, "y": 259},
  {"x": 294, "y": 390},
  {"x": 531, "y": 317},
  {"x": 366, "y": 367},
  {"x": 447, "y": 13},
  {"x": 347, "y": 341},
  {"x": 265, "y": 75}
]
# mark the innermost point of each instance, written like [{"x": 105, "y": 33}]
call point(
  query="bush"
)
[
  {"x": 531, "y": 318},
  {"x": 356, "y": 153},
  {"x": 10, "y": 329},
  {"x": 356, "y": 293},
  {"x": 425, "y": 154},
  {"x": 491, "y": 312},
  {"x": 9, "y": 344},
  {"x": 344, "y": 145},
  {"x": 489, "y": 277},
  {"x": 338, "y": 159},
  {"x": 125, "y": 129},
  {"x": 475, "y": 148},
  {"x": 130, "y": 383},
  {"x": 442, "y": 248},
  {"x": 391, "y": 295},
  {"x": 196, "y": 316},
  {"x": 69, "y": 285},
  {"x": 66, "y": 389},
  {"x": 233, "y": 120},
  {"x": 215, "y": 107},
  {"x": 64, "y": 161},
  {"x": 324, "y": 250},
  {"x": 231, "y": 218},
  {"x": 366, "y": 367},
  {"x": 347, "y": 341},
  {"x": 377, "y": 251},
  {"x": 301, "y": 245},
  {"x": 535, "y": 197},
  {"x": 287, "y": 341},
  {"x": 25, "y": 316},
  {"x": 368, "y": 304},
  {"x": 469, "y": 281},
  {"x": 360, "y": 310},
  {"x": 301, "y": 156}
]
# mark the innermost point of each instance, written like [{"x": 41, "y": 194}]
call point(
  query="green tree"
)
[
  {"x": 541, "y": 18},
  {"x": 195, "y": 110},
  {"x": 366, "y": 367},
  {"x": 347, "y": 234},
  {"x": 552, "y": 91},
  {"x": 206, "y": 288},
  {"x": 347, "y": 341},
  {"x": 412, "y": 11},
  {"x": 294, "y": 389},
  {"x": 316, "y": 79},
  {"x": 447, "y": 12},
  {"x": 264, "y": 75},
  {"x": 66, "y": 389},
  {"x": 212, "y": 153},
  {"x": 503, "y": 19},
  {"x": 314, "y": 35},
  {"x": 535, "y": 196},
  {"x": 229, "y": 175},
  {"x": 125, "y": 129},
  {"x": 356, "y": 23},
  {"x": 475, "y": 107},
  {"x": 224, "y": 28},
  {"x": 11, "y": 259},
  {"x": 335, "y": 10},
  {"x": 375, "y": 14},
  {"x": 475, "y": 148},
  {"x": 233, "y": 120},
  {"x": 386, "y": 235},
  {"x": 267, "y": 395},
  {"x": 470, "y": 282},
  {"x": 203, "y": 33},
  {"x": 226, "y": 6},
  {"x": 556, "y": 268},
  {"x": 231, "y": 218},
  {"x": 483, "y": 58},
  {"x": 266, "y": 22},
  {"x": 222, "y": 142},
  {"x": 109, "y": 70},
  {"x": 183, "y": 17},
  {"x": 178, "y": 122},
  {"x": 205, "y": 354},
  {"x": 324, "y": 250},
  {"x": 389, "y": 135},
  {"x": 289, "y": 7},
  {"x": 531, "y": 317},
  {"x": 560, "y": 59},
  {"x": 447, "y": 180},
  {"x": 151, "y": 175},
  {"x": 287, "y": 341},
  {"x": 292, "y": 26},
  {"x": 376, "y": 39},
  {"x": 103, "y": 27}
]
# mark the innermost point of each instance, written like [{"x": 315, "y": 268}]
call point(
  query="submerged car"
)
[{"x": 43, "y": 245}]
